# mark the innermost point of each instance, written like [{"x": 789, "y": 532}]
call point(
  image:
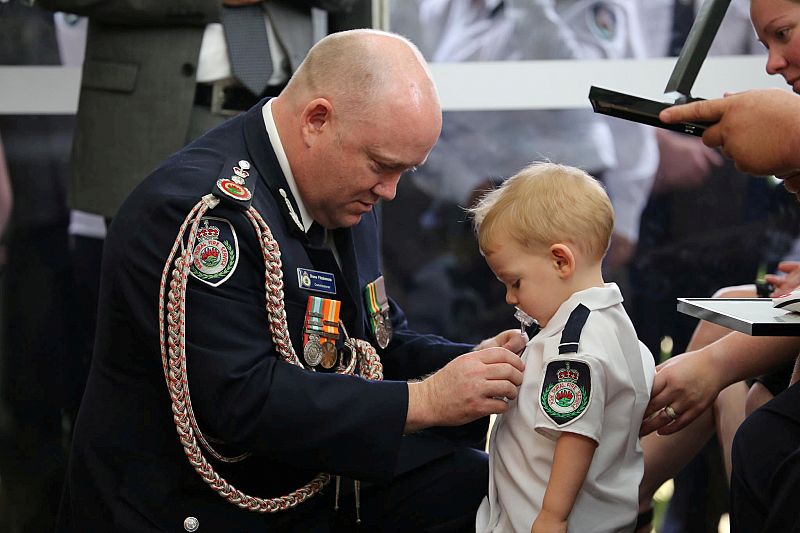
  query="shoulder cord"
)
[{"x": 172, "y": 328}]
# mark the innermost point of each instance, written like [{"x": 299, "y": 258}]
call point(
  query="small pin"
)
[
  {"x": 291, "y": 209},
  {"x": 244, "y": 164}
]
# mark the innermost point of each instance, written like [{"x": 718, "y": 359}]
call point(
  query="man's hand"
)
[
  {"x": 468, "y": 387},
  {"x": 686, "y": 383},
  {"x": 511, "y": 339},
  {"x": 787, "y": 283},
  {"x": 759, "y": 129}
]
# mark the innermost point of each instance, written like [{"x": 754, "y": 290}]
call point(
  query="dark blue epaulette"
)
[
  {"x": 571, "y": 335},
  {"x": 236, "y": 186}
]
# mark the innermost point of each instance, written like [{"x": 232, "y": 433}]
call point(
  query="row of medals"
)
[{"x": 316, "y": 352}]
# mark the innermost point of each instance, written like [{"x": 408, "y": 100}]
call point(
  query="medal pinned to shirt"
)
[
  {"x": 378, "y": 308},
  {"x": 321, "y": 331}
]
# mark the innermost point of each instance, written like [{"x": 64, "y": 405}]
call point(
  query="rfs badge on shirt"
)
[{"x": 566, "y": 390}]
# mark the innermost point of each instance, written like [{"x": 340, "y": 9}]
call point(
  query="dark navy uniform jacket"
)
[{"x": 128, "y": 470}]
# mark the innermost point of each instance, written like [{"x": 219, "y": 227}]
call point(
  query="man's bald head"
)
[
  {"x": 358, "y": 69},
  {"x": 360, "y": 111}
]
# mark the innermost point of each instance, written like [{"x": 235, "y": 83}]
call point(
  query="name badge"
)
[{"x": 315, "y": 280}]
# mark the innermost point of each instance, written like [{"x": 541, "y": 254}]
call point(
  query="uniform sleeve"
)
[{"x": 572, "y": 397}]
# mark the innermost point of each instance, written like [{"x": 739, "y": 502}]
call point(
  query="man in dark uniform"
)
[{"x": 360, "y": 111}]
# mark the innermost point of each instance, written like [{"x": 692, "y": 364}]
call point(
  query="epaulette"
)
[
  {"x": 571, "y": 335},
  {"x": 237, "y": 188}
]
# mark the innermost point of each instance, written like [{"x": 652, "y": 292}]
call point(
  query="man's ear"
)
[
  {"x": 563, "y": 260},
  {"x": 314, "y": 119}
]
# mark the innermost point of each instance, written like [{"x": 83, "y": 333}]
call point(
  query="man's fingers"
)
[
  {"x": 500, "y": 355},
  {"x": 504, "y": 372},
  {"x": 703, "y": 111},
  {"x": 500, "y": 389},
  {"x": 496, "y": 405},
  {"x": 788, "y": 266},
  {"x": 517, "y": 343},
  {"x": 712, "y": 137}
]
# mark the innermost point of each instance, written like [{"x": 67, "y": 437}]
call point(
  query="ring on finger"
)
[{"x": 670, "y": 412}]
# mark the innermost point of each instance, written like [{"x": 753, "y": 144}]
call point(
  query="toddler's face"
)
[{"x": 531, "y": 279}]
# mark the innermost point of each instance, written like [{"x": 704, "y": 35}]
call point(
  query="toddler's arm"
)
[{"x": 571, "y": 461}]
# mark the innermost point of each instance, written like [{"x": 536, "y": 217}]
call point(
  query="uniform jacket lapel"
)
[{"x": 273, "y": 180}]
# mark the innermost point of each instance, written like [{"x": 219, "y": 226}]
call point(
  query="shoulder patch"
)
[
  {"x": 216, "y": 251},
  {"x": 603, "y": 21},
  {"x": 566, "y": 390}
]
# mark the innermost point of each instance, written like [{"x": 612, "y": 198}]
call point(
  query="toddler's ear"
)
[{"x": 563, "y": 260}]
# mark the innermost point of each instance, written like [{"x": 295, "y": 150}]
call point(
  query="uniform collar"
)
[
  {"x": 262, "y": 154},
  {"x": 594, "y": 298},
  {"x": 283, "y": 161}
]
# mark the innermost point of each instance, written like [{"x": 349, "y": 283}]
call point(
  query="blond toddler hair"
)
[{"x": 543, "y": 204}]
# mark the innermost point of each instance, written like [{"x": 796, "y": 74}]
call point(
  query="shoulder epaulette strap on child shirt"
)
[{"x": 571, "y": 335}]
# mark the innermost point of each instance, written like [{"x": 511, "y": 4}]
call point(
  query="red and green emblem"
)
[
  {"x": 216, "y": 251},
  {"x": 566, "y": 390},
  {"x": 234, "y": 190}
]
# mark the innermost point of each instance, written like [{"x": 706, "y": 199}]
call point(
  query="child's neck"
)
[{"x": 586, "y": 278}]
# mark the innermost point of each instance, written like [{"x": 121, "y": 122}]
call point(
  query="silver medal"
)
[
  {"x": 383, "y": 331},
  {"x": 312, "y": 351}
]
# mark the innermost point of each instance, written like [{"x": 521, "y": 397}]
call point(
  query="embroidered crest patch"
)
[
  {"x": 216, "y": 251},
  {"x": 566, "y": 390}
]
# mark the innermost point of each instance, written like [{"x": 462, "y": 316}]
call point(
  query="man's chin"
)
[{"x": 347, "y": 221}]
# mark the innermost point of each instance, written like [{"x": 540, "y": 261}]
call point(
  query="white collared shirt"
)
[
  {"x": 283, "y": 161},
  {"x": 523, "y": 439}
]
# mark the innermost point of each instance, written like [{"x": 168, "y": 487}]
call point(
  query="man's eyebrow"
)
[{"x": 390, "y": 163}]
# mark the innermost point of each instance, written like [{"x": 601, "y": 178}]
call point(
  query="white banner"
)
[{"x": 462, "y": 86}]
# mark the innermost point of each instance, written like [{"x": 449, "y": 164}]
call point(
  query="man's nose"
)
[{"x": 386, "y": 189}]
